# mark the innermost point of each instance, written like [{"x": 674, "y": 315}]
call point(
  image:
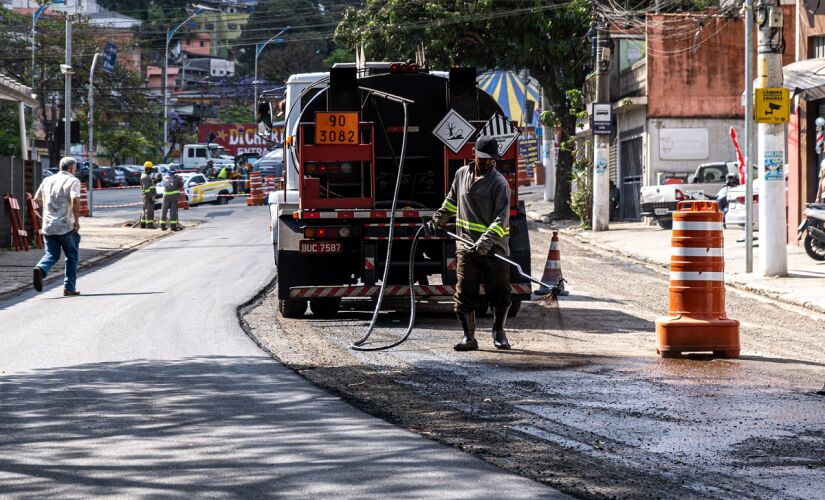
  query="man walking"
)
[
  {"x": 59, "y": 196},
  {"x": 480, "y": 200},
  {"x": 147, "y": 186},
  {"x": 172, "y": 186}
]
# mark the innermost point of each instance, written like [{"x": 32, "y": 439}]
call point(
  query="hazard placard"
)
[
  {"x": 773, "y": 105},
  {"x": 454, "y": 131},
  {"x": 500, "y": 129}
]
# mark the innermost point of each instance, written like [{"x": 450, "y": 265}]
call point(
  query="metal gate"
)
[{"x": 632, "y": 168}]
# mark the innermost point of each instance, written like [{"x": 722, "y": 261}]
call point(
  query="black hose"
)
[{"x": 411, "y": 325}]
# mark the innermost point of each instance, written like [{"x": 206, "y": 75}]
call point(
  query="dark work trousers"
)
[
  {"x": 170, "y": 206},
  {"x": 474, "y": 270},
  {"x": 148, "y": 216}
]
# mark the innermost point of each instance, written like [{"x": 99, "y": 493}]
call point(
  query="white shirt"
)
[{"x": 57, "y": 192}]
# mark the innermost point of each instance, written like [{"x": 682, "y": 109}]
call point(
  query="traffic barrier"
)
[
  {"x": 19, "y": 236},
  {"x": 256, "y": 193},
  {"x": 84, "y": 200},
  {"x": 183, "y": 202},
  {"x": 696, "y": 317},
  {"x": 269, "y": 185},
  {"x": 552, "y": 269},
  {"x": 35, "y": 218}
]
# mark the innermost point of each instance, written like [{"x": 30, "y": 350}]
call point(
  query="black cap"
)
[{"x": 487, "y": 147}]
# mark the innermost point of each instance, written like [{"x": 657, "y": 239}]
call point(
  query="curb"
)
[
  {"x": 89, "y": 263},
  {"x": 663, "y": 268}
]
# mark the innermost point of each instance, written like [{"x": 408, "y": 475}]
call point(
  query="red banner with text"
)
[{"x": 238, "y": 139}]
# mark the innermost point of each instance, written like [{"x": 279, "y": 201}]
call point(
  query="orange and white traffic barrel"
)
[
  {"x": 84, "y": 200},
  {"x": 696, "y": 319}
]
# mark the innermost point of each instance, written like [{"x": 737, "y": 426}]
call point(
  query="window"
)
[
  {"x": 209, "y": 27},
  {"x": 201, "y": 153},
  {"x": 817, "y": 47},
  {"x": 233, "y": 27},
  {"x": 191, "y": 153},
  {"x": 202, "y": 44}
]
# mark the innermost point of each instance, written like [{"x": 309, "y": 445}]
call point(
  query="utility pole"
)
[
  {"x": 67, "y": 98},
  {"x": 748, "y": 153},
  {"x": 773, "y": 251},
  {"x": 601, "y": 133},
  {"x": 259, "y": 47},
  {"x": 92, "y": 125}
]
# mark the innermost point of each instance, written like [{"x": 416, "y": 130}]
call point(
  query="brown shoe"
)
[{"x": 70, "y": 293}]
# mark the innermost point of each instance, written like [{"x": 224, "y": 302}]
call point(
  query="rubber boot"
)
[
  {"x": 499, "y": 318},
  {"x": 468, "y": 324}
]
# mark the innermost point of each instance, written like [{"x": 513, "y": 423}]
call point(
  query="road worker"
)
[
  {"x": 147, "y": 187},
  {"x": 172, "y": 187},
  {"x": 480, "y": 201}
]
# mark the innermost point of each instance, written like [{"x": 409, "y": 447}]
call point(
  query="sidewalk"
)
[
  {"x": 803, "y": 286},
  {"x": 101, "y": 238}
]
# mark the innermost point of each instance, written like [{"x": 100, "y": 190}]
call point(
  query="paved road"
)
[{"x": 147, "y": 386}]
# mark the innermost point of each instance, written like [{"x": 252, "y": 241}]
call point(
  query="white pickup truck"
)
[
  {"x": 659, "y": 202},
  {"x": 199, "y": 156}
]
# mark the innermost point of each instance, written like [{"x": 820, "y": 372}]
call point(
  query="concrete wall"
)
[
  {"x": 684, "y": 157},
  {"x": 687, "y": 79}
]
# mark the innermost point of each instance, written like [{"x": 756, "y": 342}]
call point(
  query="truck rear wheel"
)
[
  {"x": 325, "y": 308},
  {"x": 292, "y": 308}
]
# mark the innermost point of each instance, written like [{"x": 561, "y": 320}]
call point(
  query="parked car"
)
[
  {"x": 735, "y": 216},
  {"x": 131, "y": 173},
  {"x": 103, "y": 176},
  {"x": 270, "y": 164},
  {"x": 660, "y": 202},
  {"x": 47, "y": 172}
]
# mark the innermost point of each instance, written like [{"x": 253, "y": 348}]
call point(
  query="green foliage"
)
[
  {"x": 339, "y": 55},
  {"x": 236, "y": 114},
  {"x": 581, "y": 201},
  {"x": 9, "y": 130},
  {"x": 123, "y": 144}
]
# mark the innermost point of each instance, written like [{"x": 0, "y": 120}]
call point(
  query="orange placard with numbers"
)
[{"x": 336, "y": 127}]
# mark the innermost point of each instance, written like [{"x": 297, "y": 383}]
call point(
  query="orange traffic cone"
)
[
  {"x": 552, "y": 269},
  {"x": 183, "y": 202}
]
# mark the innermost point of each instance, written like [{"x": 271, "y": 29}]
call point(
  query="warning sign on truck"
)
[{"x": 772, "y": 105}]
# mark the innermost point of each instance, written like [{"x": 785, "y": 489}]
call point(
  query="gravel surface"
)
[{"x": 582, "y": 403}]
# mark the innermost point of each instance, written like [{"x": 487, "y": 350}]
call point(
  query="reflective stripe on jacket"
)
[{"x": 481, "y": 206}]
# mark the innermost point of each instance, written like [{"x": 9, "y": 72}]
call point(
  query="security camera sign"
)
[
  {"x": 454, "y": 131},
  {"x": 772, "y": 105}
]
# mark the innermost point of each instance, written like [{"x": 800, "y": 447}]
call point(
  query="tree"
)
[
  {"x": 123, "y": 144},
  {"x": 549, "y": 39},
  {"x": 236, "y": 114},
  {"x": 119, "y": 97}
]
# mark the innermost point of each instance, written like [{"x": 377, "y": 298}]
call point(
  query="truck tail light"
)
[
  {"x": 740, "y": 199},
  {"x": 327, "y": 232}
]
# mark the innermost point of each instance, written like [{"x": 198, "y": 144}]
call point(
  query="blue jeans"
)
[{"x": 70, "y": 243}]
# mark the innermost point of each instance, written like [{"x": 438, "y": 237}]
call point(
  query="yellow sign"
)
[
  {"x": 773, "y": 105},
  {"x": 336, "y": 127}
]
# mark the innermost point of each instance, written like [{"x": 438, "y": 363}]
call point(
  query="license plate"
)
[
  {"x": 320, "y": 247},
  {"x": 336, "y": 128},
  {"x": 660, "y": 211}
]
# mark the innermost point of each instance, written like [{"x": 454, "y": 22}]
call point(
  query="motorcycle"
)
[{"x": 813, "y": 227}]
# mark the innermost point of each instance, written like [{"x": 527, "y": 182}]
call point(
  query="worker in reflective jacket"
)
[
  {"x": 147, "y": 187},
  {"x": 172, "y": 187},
  {"x": 480, "y": 201}
]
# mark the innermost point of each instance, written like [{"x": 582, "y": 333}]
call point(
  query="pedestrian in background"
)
[
  {"x": 147, "y": 186},
  {"x": 59, "y": 196},
  {"x": 172, "y": 186}
]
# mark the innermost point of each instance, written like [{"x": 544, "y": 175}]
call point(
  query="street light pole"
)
[
  {"x": 259, "y": 47},
  {"x": 748, "y": 136},
  {"x": 35, "y": 17},
  {"x": 92, "y": 126},
  {"x": 169, "y": 34},
  {"x": 67, "y": 99}
]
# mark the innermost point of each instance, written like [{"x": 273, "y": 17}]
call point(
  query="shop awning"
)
[{"x": 806, "y": 78}]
